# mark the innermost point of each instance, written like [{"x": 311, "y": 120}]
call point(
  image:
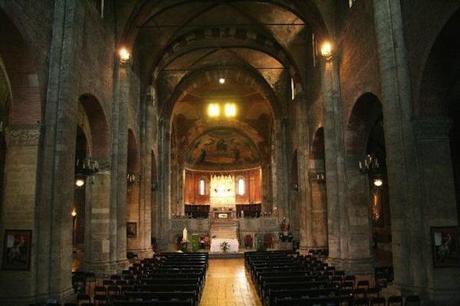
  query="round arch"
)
[{"x": 99, "y": 128}]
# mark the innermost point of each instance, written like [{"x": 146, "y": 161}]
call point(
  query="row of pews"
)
[
  {"x": 170, "y": 279},
  {"x": 289, "y": 279}
]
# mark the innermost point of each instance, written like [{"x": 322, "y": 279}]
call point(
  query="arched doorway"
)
[{"x": 366, "y": 151}]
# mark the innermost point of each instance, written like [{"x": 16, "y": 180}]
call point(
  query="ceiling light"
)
[
  {"x": 213, "y": 110},
  {"x": 326, "y": 49},
  {"x": 124, "y": 54},
  {"x": 222, "y": 81},
  {"x": 230, "y": 110},
  {"x": 378, "y": 182},
  {"x": 79, "y": 182}
]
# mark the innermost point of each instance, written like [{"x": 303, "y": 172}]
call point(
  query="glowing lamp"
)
[
  {"x": 230, "y": 110},
  {"x": 326, "y": 49},
  {"x": 213, "y": 110},
  {"x": 79, "y": 182},
  {"x": 378, "y": 182},
  {"x": 74, "y": 213},
  {"x": 124, "y": 55},
  {"x": 222, "y": 81}
]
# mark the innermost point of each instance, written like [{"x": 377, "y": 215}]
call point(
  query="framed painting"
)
[
  {"x": 131, "y": 229},
  {"x": 446, "y": 250},
  {"x": 17, "y": 246}
]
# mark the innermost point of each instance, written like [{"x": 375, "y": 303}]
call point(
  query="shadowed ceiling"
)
[{"x": 184, "y": 47}]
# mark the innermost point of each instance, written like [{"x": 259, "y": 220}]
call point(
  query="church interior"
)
[{"x": 230, "y": 152}]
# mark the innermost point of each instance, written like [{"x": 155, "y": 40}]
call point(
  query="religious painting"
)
[
  {"x": 131, "y": 229},
  {"x": 17, "y": 247},
  {"x": 446, "y": 250},
  {"x": 223, "y": 147}
]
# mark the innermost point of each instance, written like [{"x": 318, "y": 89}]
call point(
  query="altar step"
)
[{"x": 226, "y": 255}]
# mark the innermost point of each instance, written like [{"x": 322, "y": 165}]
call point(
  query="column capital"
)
[{"x": 22, "y": 135}]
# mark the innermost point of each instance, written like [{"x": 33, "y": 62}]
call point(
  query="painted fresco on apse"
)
[{"x": 223, "y": 147}]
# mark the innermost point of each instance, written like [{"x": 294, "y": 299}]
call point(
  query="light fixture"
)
[
  {"x": 230, "y": 110},
  {"x": 326, "y": 50},
  {"x": 74, "y": 213},
  {"x": 378, "y": 182},
  {"x": 124, "y": 54},
  {"x": 131, "y": 178},
  {"x": 222, "y": 81},
  {"x": 79, "y": 182},
  {"x": 213, "y": 110},
  {"x": 370, "y": 163}
]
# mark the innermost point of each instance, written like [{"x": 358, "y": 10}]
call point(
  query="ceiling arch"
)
[{"x": 236, "y": 73}]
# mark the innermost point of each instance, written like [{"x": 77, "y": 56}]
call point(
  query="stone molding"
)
[{"x": 22, "y": 135}]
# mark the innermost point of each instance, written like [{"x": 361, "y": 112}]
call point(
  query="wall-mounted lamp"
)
[
  {"x": 295, "y": 187},
  {"x": 378, "y": 182},
  {"x": 319, "y": 177},
  {"x": 79, "y": 182},
  {"x": 124, "y": 55},
  {"x": 370, "y": 163},
  {"x": 131, "y": 178},
  {"x": 327, "y": 50},
  {"x": 74, "y": 213},
  {"x": 221, "y": 81}
]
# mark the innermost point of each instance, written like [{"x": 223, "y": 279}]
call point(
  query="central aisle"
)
[{"x": 228, "y": 285}]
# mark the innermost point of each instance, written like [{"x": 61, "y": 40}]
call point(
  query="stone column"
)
[
  {"x": 164, "y": 179},
  {"x": 303, "y": 152},
  {"x": 338, "y": 235},
  {"x": 118, "y": 208},
  {"x": 348, "y": 225},
  {"x": 19, "y": 207},
  {"x": 409, "y": 232},
  {"x": 280, "y": 168},
  {"x": 439, "y": 206},
  {"x": 97, "y": 223},
  {"x": 146, "y": 173},
  {"x": 56, "y": 175}
]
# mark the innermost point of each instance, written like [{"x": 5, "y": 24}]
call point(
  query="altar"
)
[{"x": 216, "y": 245}]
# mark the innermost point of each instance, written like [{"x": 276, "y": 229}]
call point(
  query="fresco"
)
[{"x": 223, "y": 147}]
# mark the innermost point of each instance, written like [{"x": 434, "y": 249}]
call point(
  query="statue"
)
[{"x": 285, "y": 234}]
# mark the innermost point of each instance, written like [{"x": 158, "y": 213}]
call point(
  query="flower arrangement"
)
[{"x": 225, "y": 246}]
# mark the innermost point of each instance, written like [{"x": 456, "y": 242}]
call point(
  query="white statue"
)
[{"x": 184, "y": 235}]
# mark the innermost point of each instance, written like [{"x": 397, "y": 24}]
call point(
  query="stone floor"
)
[{"x": 227, "y": 284}]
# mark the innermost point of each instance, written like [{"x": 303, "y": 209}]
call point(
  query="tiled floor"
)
[{"x": 228, "y": 285}]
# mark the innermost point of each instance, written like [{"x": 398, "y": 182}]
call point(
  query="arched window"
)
[
  {"x": 202, "y": 187},
  {"x": 241, "y": 186}
]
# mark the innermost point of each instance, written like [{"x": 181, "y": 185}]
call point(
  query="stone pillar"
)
[
  {"x": 439, "y": 204},
  {"x": 409, "y": 233},
  {"x": 56, "y": 175},
  {"x": 164, "y": 179},
  {"x": 118, "y": 207},
  {"x": 267, "y": 200},
  {"x": 280, "y": 168},
  {"x": 97, "y": 223},
  {"x": 19, "y": 208},
  {"x": 146, "y": 173},
  {"x": 338, "y": 235},
  {"x": 349, "y": 243},
  {"x": 303, "y": 199}
]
